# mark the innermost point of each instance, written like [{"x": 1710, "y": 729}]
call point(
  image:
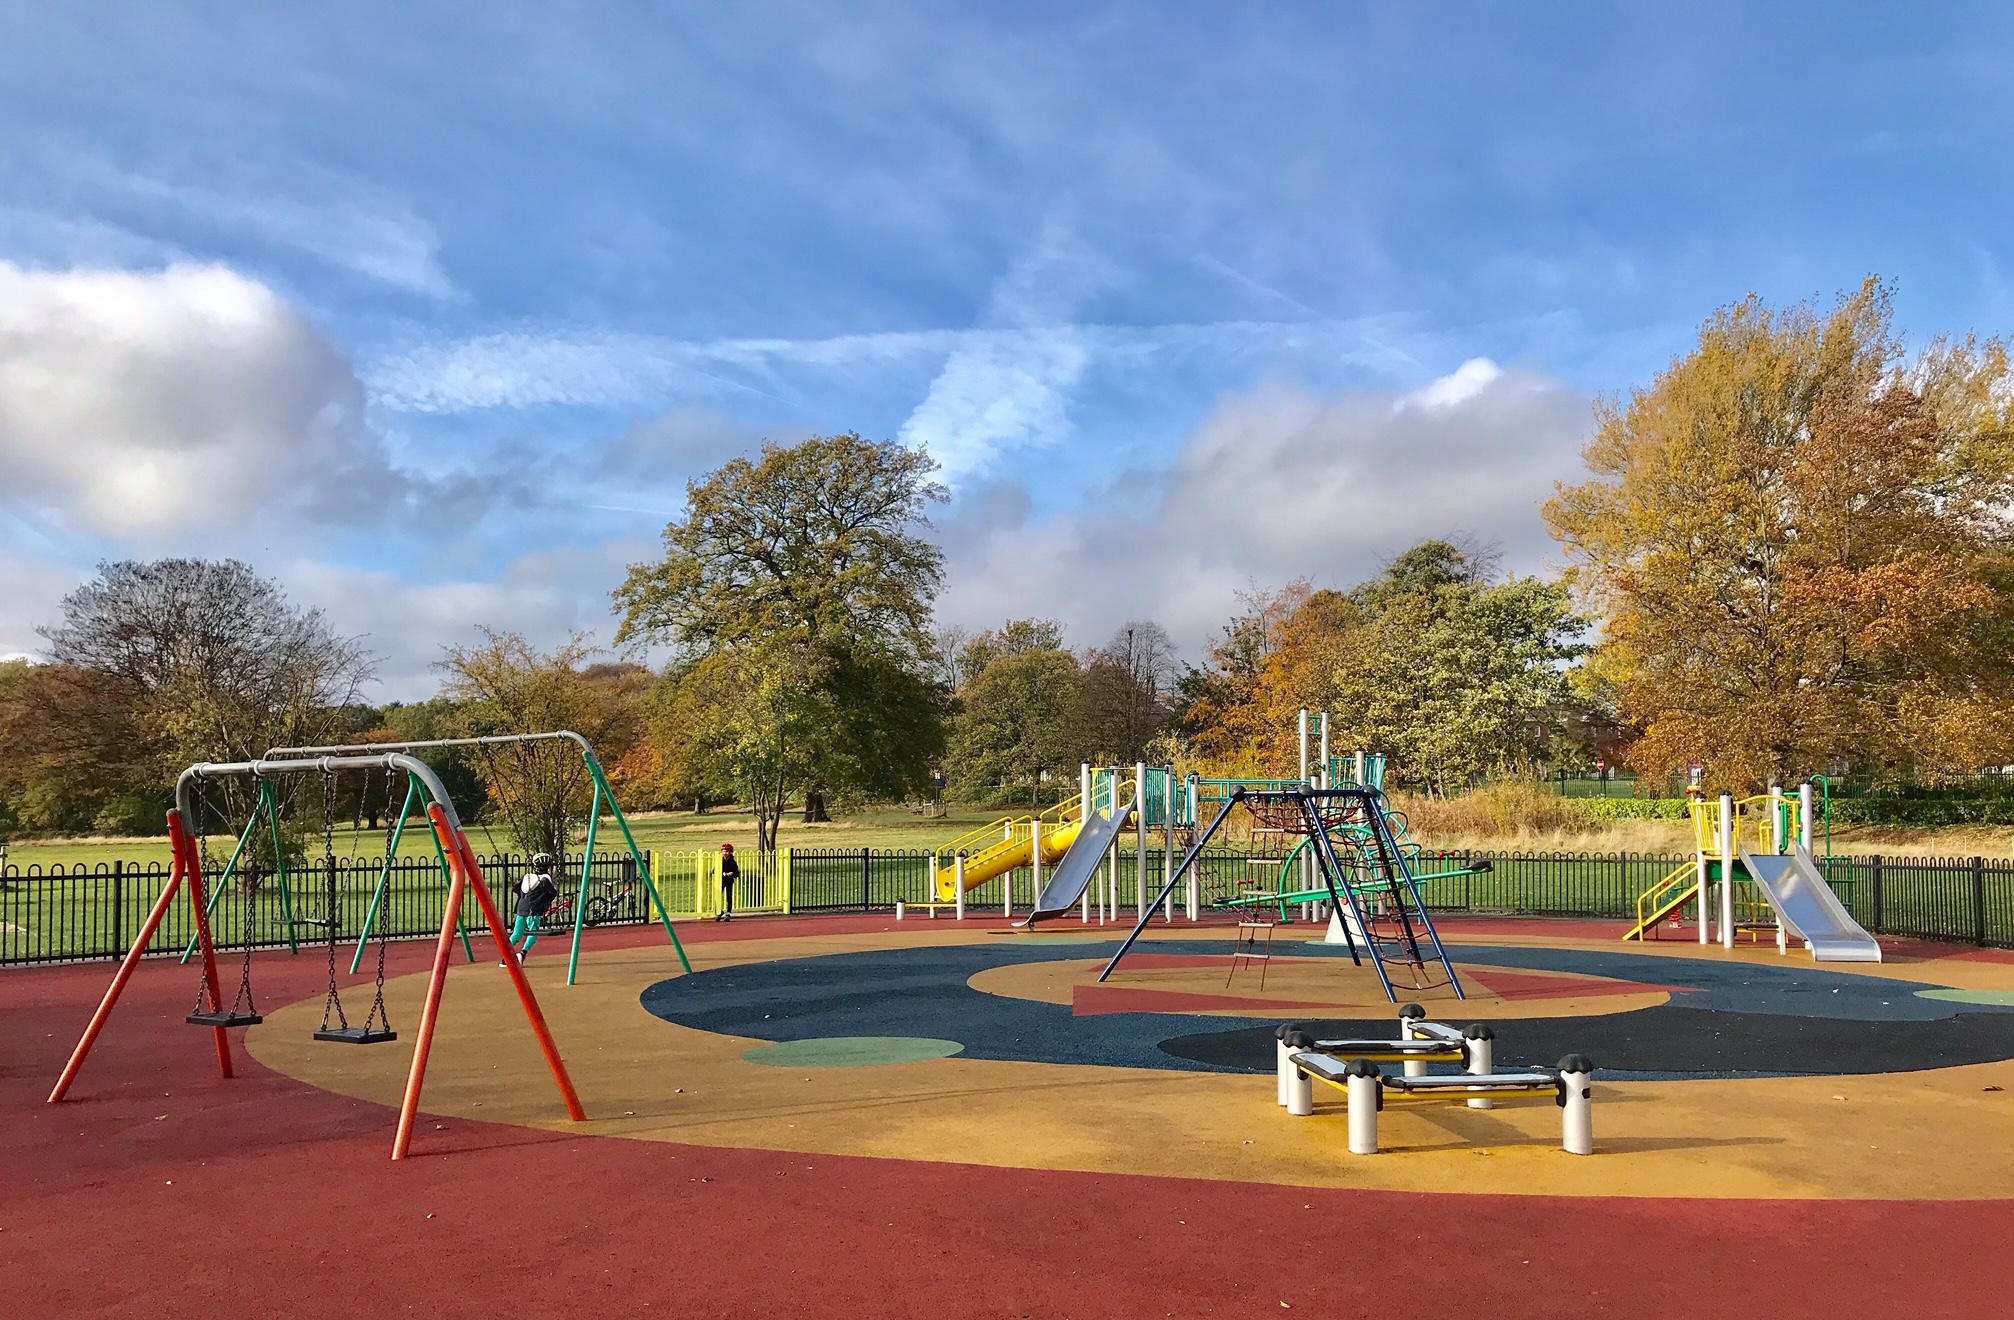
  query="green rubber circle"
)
[
  {"x": 2002, "y": 998},
  {"x": 851, "y": 1051}
]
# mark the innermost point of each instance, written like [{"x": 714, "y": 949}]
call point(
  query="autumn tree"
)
[
  {"x": 795, "y": 594},
  {"x": 539, "y": 790},
  {"x": 1797, "y": 536}
]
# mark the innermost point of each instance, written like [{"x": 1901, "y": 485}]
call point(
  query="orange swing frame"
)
[{"x": 465, "y": 877}]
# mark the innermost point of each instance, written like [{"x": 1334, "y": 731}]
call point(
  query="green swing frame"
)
[{"x": 604, "y": 800}]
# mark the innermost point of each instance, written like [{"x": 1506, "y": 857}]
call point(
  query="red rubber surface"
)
[{"x": 161, "y": 1190}]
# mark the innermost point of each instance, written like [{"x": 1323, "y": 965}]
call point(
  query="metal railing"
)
[{"x": 91, "y": 911}]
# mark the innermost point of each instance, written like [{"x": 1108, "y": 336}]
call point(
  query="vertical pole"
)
[
  {"x": 580, "y": 892},
  {"x": 1360, "y": 768},
  {"x": 959, "y": 870},
  {"x": 279, "y": 865},
  {"x": 1168, "y": 839},
  {"x": 1875, "y": 863},
  {"x": 1304, "y": 744},
  {"x": 1804, "y": 816},
  {"x": 1727, "y": 827},
  {"x": 1776, "y": 826},
  {"x": 1979, "y": 901},
  {"x": 866, "y": 895},
  {"x": 1035, "y": 853},
  {"x": 1190, "y": 889},
  {"x": 118, "y": 903},
  {"x": 1325, "y": 751},
  {"x": 192, "y": 867},
  {"x": 177, "y": 845},
  {"x": 1696, "y": 807},
  {"x": 1139, "y": 837}
]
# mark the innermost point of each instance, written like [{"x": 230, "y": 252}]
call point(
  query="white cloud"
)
[
  {"x": 35, "y": 588},
  {"x": 1278, "y": 483},
  {"x": 998, "y": 393},
  {"x": 149, "y": 403},
  {"x": 547, "y": 595}
]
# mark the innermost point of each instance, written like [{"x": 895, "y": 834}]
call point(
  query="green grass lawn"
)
[{"x": 885, "y": 827}]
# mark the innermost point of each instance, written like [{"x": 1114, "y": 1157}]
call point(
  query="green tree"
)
[
  {"x": 540, "y": 790},
  {"x": 1798, "y": 536},
  {"x": 1456, "y": 681},
  {"x": 1014, "y": 723},
  {"x": 796, "y": 595}
]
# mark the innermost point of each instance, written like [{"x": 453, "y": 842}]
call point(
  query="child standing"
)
[
  {"x": 730, "y": 871},
  {"x": 535, "y": 896}
]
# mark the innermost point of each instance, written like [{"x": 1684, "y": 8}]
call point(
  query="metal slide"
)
[
  {"x": 1808, "y": 908},
  {"x": 1073, "y": 874}
]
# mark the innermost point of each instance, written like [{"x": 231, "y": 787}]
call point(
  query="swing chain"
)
[
  {"x": 334, "y": 1000},
  {"x": 379, "y": 1013}
]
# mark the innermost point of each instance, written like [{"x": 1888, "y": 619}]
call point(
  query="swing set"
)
[{"x": 464, "y": 875}]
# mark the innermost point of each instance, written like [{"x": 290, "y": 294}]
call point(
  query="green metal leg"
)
[
  {"x": 280, "y": 870},
  {"x": 642, "y": 866},
  {"x": 222, "y": 879},
  {"x": 384, "y": 876},
  {"x": 580, "y": 896}
]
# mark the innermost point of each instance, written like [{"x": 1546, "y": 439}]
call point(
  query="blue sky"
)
[{"x": 432, "y": 310}]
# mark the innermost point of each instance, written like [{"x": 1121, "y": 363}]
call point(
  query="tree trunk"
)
[{"x": 814, "y": 806}]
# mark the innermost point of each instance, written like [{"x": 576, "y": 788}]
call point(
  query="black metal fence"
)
[
  {"x": 93, "y": 911},
  {"x": 96, "y": 910}
]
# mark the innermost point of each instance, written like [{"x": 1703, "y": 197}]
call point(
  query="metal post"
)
[
  {"x": 1979, "y": 901},
  {"x": 1482, "y": 1050},
  {"x": 1366, "y": 1089},
  {"x": 1035, "y": 855},
  {"x": 118, "y": 904},
  {"x": 1168, "y": 829},
  {"x": 1804, "y": 816},
  {"x": 1360, "y": 768},
  {"x": 958, "y": 865},
  {"x": 1304, "y": 744},
  {"x": 1776, "y": 817},
  {"x": 865, "y": 903},
  {"x": 1408, "y": 1015},
  {"x": 1875, "y": 864},
  {"x": 1324, "y": 771},
  {"x": 1139, "y": 838},
  {"x": 1576, "y": 1097},
  {"x": 1191, "y": 894},
  {"x": 1727, "y": 870},
  {"x": 1300, "y": 1093},
  {"x": 1695, "y": 808}
]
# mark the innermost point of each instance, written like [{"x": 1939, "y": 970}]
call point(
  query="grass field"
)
[{"x": 893, "y": 827}]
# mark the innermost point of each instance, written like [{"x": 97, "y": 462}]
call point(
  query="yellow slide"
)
[{"x": 991, "y": 851}]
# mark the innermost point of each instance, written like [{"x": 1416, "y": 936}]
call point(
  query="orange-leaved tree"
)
[{"x": 1798, "y": 539}]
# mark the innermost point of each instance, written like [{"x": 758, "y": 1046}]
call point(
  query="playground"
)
[{"x": 1105, "y": 1096}]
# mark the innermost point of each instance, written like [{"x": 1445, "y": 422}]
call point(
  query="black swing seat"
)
[
  {"x": 357, "y": 1035},
  {"x": 225, "y": 1018}
]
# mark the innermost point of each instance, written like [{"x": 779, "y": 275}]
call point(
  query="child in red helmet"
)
[{"x": 730, "y": 871}]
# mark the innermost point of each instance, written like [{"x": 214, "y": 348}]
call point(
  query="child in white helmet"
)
[{"x": 535, "y": 896}]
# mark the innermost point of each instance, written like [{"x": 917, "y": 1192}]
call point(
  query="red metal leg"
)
[
  {"x": 129, "y": 962},
  {"x": 423, "y": 1041},
  {"x": 524, "y": 991},
  {"x": 192, "y": 866}
]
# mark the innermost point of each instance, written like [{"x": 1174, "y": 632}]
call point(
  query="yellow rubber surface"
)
[{"x": 1938, "y": 1134}]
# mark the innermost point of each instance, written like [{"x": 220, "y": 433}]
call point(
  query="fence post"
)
[
  {"x": 866, "y": 905},
  {"x": 118, "y": 906},
  {"x": 1876, "y": 864},
  {"x": 1979, "y": 901}
]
